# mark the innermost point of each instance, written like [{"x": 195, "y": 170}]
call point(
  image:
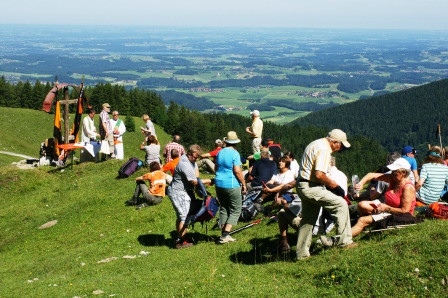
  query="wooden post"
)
[{"x": 66, "y": 102}]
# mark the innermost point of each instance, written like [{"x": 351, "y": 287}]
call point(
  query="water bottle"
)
[{"x": 355, "y": 180}]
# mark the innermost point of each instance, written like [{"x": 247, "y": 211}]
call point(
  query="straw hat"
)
[{"x": 231, "y": 138}]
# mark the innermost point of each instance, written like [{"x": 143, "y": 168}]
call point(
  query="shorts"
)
[{"x": 181, "y": 203}]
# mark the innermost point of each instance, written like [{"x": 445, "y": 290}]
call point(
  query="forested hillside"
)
[
  {"x": 195, "y": 127},
  {"x": 402, "y": 118}
]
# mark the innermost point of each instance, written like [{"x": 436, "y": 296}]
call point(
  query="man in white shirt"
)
[{"x": 89, "y": 135}]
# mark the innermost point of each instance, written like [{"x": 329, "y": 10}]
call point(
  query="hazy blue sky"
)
[{"x": 376, "y": 14}]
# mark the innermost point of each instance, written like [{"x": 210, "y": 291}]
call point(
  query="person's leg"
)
[
  {"x": 210, "y": 165},
  {"x": 338, "y": 209},
  {"x": 110, "y": 139},
  {"x": 181, "y": 203},
  {"x": 361, "y": 224},
  {"x": 151, "y": 199},
  {"x": 364, "y": 208},
  {"x": 310, "y": 213},
  {"x": 234, "y": 195},
  {"x": 224, "y": 206}
]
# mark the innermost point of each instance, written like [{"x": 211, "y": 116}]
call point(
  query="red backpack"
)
[{"x": 437, "y": 210}]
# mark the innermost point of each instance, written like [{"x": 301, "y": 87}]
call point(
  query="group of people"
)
[
  {"x": 321, "y": 188},
  {"x": 110, "y": 131}
]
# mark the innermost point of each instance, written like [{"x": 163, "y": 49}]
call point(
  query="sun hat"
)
[
  {"x": 106, "y": 105},
  {"x": 400, "y": 163},
  {"x": 231, "y": 138},
  {"x": 339, "y": 135}
]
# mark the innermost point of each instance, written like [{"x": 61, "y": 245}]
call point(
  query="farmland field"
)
[{"x": 232, "y": 68}]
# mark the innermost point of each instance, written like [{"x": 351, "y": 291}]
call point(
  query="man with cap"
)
[
  {"x": 255, "y": 130},
  {"x": 409, "y": 154},
  {"x": 205, "y": 157},
  {"x": 314, "y": 186},
  {"x": 106, "y": 129}
]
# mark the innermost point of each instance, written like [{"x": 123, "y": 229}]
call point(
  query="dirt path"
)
[{"x": 19, "y": 155}]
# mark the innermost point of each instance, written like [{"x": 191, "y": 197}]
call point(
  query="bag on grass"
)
[
  {"x": 248, "y": 210},
  {"x": 130, "y": 167},
  {"x": 437, "y": 210}
]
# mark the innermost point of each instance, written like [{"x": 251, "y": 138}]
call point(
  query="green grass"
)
[{"x": 94, "y": 225}]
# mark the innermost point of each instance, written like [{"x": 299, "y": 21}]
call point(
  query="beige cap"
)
[{"x": 339, "y": 135}]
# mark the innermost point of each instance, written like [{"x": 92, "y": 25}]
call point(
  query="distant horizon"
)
[
  {"x": 221, "y": 27},
  {"x": 315, "y": 14}
]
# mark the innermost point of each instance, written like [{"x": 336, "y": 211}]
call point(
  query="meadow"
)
[{"x": 101, "y": 247}]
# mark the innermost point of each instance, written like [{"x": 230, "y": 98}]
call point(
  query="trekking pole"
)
[
  {"x": 255, "y": 222},
  {"x": 439, "y": 132}
]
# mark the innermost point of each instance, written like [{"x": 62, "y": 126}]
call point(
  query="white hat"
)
[
  {"x": 256, "y": 113},
  {"x": 218, "y": 142},
  {"x": 339, "y": 135},
  {"x": 400, "y": 163}
]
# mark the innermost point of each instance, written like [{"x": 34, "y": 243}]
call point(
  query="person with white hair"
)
[
  {"x": 205, "y": 157},
  {"x": 314, "y": 187}
]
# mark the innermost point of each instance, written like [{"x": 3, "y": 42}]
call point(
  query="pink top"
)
[{"x": 394, "y": 199}]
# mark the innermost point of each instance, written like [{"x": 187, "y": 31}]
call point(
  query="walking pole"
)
[{"x": 439, "y": 132}]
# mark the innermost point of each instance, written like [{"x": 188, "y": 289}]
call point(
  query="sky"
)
[{"x": 362, "y": 14}]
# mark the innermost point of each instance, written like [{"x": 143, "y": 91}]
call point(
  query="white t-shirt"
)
[
  {"x": 283, "y": 178},
  {"x": 339, "y": 177}
]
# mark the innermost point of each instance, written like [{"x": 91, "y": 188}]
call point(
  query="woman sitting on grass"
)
[
  {"x": 399, "y": 204},
  {"x": 433, "y": 175},
  {"x": 156, "y": 191},
  {"x": 152, "y": 149}
]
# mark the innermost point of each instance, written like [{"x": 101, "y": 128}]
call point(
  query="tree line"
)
[
  {"x": 408, "y": 117},
  {"x": 195, "y": 127}
]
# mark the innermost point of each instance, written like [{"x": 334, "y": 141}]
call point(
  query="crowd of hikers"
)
[{"x": 309, "y": 194}]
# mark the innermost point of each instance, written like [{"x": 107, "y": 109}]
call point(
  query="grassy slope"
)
[{"x": 93, "y": 225}]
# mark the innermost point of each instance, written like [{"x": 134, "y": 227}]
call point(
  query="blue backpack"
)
[{"x": 208, "y": 209}]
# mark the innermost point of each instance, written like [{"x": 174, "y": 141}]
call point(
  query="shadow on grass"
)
[
  {"x": 160, "y": 240},
  {"x": 265, "y": 250}
]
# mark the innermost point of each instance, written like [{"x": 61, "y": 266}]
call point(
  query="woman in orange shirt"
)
[{"x": 156, "y": 191}]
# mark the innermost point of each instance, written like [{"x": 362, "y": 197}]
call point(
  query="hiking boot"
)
[
  {"x": 284, "y": 248},
  {"x": 184, "y": 244},
  {"x": 141, "y": 206},
  {"x": 226, "y": 239},
  {"x": 348, "y": 246},
  {"x": 327, "y": 241},
  {"x": 131, "y": 202}
]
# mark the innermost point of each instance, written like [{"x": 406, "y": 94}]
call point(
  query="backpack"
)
[
  {"x": 207, "y": 209},
  {"x": 129, "y": 167},
  {"x": 248, "y": 209},
  {"x": 437, "y": 210}
]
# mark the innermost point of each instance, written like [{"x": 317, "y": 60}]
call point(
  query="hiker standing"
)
[
  {"x": 106, "y": 129},
  {"x": 255, "y": 131},
  {"x": 229, "y": 186},
  {"x": 181, "y": 191},
  {"x": 313, "y": 181}
]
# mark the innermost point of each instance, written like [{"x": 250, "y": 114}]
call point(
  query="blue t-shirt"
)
[
  {"x": 411, "y": 161},
  {"x": 226, "y": 159}
]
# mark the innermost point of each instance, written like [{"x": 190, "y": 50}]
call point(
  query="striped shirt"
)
[
  {"x": 317, "y": 157},
  {"x": 435, "y": 175}
]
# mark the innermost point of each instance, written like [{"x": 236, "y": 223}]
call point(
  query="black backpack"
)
[{"x": 129, "y": 167}]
